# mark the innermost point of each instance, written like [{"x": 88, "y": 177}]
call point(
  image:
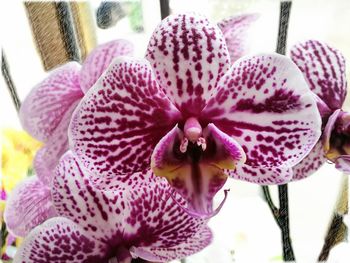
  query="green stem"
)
[
  {"x": 281, "y": 216},
  {"x": 5, "y": 70},
  {"x": 288, "y": 254}
]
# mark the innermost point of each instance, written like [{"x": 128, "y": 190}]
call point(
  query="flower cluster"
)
[{"x": 136, "y": 149}]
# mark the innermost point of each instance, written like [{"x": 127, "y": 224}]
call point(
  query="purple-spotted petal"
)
[
  {"x": 324, "y": 70},
  {"x": 189, "y": 56},
  {"x": 60, "y": 240},
  {"x": 192, "y": 245},
  {"x": 42, "y": 110},
  {"x": 100, "y": 58},
  {"x": 29, "y": 205},
  {"x": 343, "y": 163},
  {"x": 311, "y": 163},
  {"x": 140, "y": 209},
  {"x": 119, "y": 121},
  {"x": 261, "y": 175},
  {"x": 47, "y": 157},
  {"x": 235, "y": 30},
  {"x": 99, "y": 212},
  {"x": 196, "y": 182},
  {"x": 264, "y": 103}
]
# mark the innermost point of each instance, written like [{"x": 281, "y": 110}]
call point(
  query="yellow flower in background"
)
[
  {"x": 18, "y": 150},
  {"x": 2, "y": 209}
]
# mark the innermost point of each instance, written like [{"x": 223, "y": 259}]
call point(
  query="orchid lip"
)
[{"x": 202, "y": 215}]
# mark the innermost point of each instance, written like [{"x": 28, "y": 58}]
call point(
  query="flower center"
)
[
  {"x": 193, "y": 134},
  {"x": 339, "y": 140}
]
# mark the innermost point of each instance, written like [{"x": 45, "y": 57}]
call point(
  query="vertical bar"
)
[
  {"x": 65, "y": 19},
  {"x": 53, "y": 31},
  {"x": 84, "y": 26},
  {"x": 164, "y": 8}
]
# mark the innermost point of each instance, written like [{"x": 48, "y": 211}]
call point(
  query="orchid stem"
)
[
  {"x": 9, "y": 82},
  {"x": 281, "y": 216},
  {"x": 164, "y": 8},
  {"x": 268, "y": 199}
]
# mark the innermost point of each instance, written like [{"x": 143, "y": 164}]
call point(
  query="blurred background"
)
[{"x": 245, "y": 230}]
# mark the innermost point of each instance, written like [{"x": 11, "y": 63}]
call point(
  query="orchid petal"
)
[
  {"x": 343, "y": 163},
  {"x": 59, "y": 240},
  {"x": 165, "y": 253},
  {"x": 311, "y": 163},
  {"x": 100, "y": 58},
  {"x": 265, "y": 104},
  {"x": 261, "y": 175},
  {"x": 189, "y": 56},
  {"x": 119, "y": 121},
  {"x": 324, "y": 70},
  {"x": 138, "y": 208},
  {"x": 227, "y": 149},
  {"x": 99, "y": 212},
  {"x": 235, "y": 31},
  {"x": 47, "y": 157},
  {"x": 29, "y": 205},
  {"x": 323, "y": 108},
  {"x": 42, "y": 110},
  {"x": 198, "y": 182},
  {"x": 326, "y": 137}
]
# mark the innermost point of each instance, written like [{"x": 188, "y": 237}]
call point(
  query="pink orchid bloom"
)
[
  {"x": 131, "y": 219},
  {"x": 324, "y": 70},
  {"x": 45, "y": 114},
  {"x": 194, "y": 118}
]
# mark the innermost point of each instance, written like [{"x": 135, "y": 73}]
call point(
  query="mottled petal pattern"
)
[
  {"x": 343, "y": 163},
  {"x": 100, "y": 58},
  {"x": 189, "y": 56},
  {"x": 324, "y": 70},
  {"x": 235, "y": 30},
  {"x": 45, "y": 105},
  {"x": 48, "y": 156},
  {"x": 29, "y": 205},
  {"x": 121, "y": 119},
  {"x": 192, "y": 245},
  {"x": 59, "y": 240},
  {"x": 266, "y": 105},
  {"x": 261, "y": 175},
  {"x": 311, "y": 163},
  {"x": 98, "y": 212},
  {"x": 139, "y": 211}
]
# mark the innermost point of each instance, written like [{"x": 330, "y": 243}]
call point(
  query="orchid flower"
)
[
  {"x": 131, "y": 219},
  {"x": 193, "y": 118},
  {"x": 45, "y": 114},
  {"x": 324, "y": 70}
]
